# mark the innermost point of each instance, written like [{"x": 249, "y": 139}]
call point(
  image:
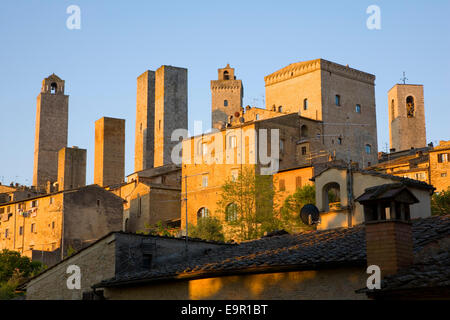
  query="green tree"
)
[
  {"x": 440, "y": 203},
  {"x": 251, "y": 196},
  {"x": 290, "y": 210},
  {"x": 208, "y": 228},
  {"x": 14, "y": 269}
]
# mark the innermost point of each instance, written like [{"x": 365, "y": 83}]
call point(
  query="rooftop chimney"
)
[{"x": 389, "y": 242}]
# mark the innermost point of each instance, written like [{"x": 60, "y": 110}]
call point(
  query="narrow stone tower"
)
[
  {"x": 406, "y": 117},
  {"x": 145, "y": 122},
  {"x": 51, "y": 130},
  {"x": 227, "y": 94},
  {"x": 109, "y": 166}
]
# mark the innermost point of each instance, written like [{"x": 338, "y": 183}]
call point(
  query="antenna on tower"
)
[{"x": 404, "y": 78}]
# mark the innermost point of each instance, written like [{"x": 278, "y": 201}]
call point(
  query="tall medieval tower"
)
[
  {"x": 227, "y": 94},
  {"x": 161, "y": 108},
  {"x": 406, "y": 117},
  {"x": 51, "y": 130}
]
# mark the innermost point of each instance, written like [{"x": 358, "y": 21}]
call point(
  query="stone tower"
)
[
  {"x": 109, "y": 166},
  {"x": 51, "y": 130},
  {"x": 406, "y": 117},
  {"x": 145, "y": 122},
  {"x": 71, "y": 168},
  {"x": 227, "y": 94}
]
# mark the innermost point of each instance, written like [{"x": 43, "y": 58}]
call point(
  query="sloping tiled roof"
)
[{"x": 304, "y": 251}]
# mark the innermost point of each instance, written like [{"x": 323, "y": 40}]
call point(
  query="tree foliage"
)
[
  {"x": 252, "y": 196},
  {"x": 14, "y": 269},
  {"x": 440, "y": 203},
  {"x": 290, "y": 210},
  {"x": 208, "y": 228}
]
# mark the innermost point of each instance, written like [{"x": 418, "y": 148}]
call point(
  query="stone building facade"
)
[
  {"x": 341, "y": 97},
  {"x": 109, "y": 166},
  {"x": 429, "y": 164},
  {"x": 210, "y": 159},
  {"x": 39, "y": 227},
  {"x": 226, "y": 95},
  {"x": 406, "y": 117},
  {"x": 71, "y": 168},
  {"x": 51, "y": 130}
]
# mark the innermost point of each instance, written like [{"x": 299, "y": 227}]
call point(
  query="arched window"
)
[
  {"x": 231, "y": 212},
  {"x": 337, "y": 100},
  {"x": 410, "y": 107},
  {"x": 53, "y": 88},
  {"x": 339, "y": 140},
  {"x": 225, "y": 103},
  {"x": 202, "y": 213},
  {"x": 304, "y": 131},
  {"x": 358, "y": 108},
  {"x": 257, "y": 116},
  {"x": 280, "y": 109},
  {"x": 226, "y": 75},
  {"x": 305, "y": 104},
  {"x": 368, "y": 149},
  {"x": 331, "y": 196}
]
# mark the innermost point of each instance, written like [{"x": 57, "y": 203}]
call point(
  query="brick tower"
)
[
  {"x": 51, "y": 130},
  {"x": 227, "y": 94},
  {"x": 109, "y": 166},
  {"x": 161, "y": 108},
  {"x": 406, "y": 117}
]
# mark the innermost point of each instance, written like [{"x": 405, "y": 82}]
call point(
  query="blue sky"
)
[{"x": 119, "y": 40}]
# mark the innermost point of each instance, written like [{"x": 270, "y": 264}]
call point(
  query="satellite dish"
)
[{"x": 309, "y": 214}]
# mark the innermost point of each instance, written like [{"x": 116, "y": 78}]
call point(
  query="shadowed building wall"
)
[
  {"x": 51, "y": 130},
  {"x": 170, "y": 110},
  {"x": 71, "y": 168},
  {"x": 109, "y": 151}
]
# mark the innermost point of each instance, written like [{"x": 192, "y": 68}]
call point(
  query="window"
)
[
  {"x": 339, "y": 140},
  {"x": 225, "y": 103},
  {"x": 204, "y": 181},
  {"x": 33, "y": 228},
  {"x": 226, "y": 75},
  {"x": 443, "y": 157},
  {"x": 53, "y": 88},
  {"x": 234, "y": 175},
  {"x": 410, "y": 107},
  {"x": 34, "y": 204},
  {"x": 98, "y": 202},
  {"x": 282, "y": 185},
  {"x": 420, "y": 176},
  {"x": 202, "y": 213},
  {"x": 204, "y": 149},
  {"x": 304, "y": 131},
  {"x": 6, "y": 233},
  {"x": 368, "y": 149},
  {"x": 53, "y": 224},
  {"x": 298, "y": 182},
  {"x": 159, "y": 124},
  {"x": 392, "y": 109},
  {"x": 358, "y": 108},
  {"x": 231, "y": 212},
  {"x": 51, "y": 200},
  {"x": 337, "y": 100},
  {"x": 8, "y": 209},
  {"x": 443, "y": 175},
  {"x": 281, "y": 146},
  {"x": 257, "y": 116},
  {"x": 303, "y": 151},
  {"x": 305, "y": 104},
  {"x": 20, "y": 230},
  {"x": 232, "y": 141},
  {"x": 280, "y": 109}
]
